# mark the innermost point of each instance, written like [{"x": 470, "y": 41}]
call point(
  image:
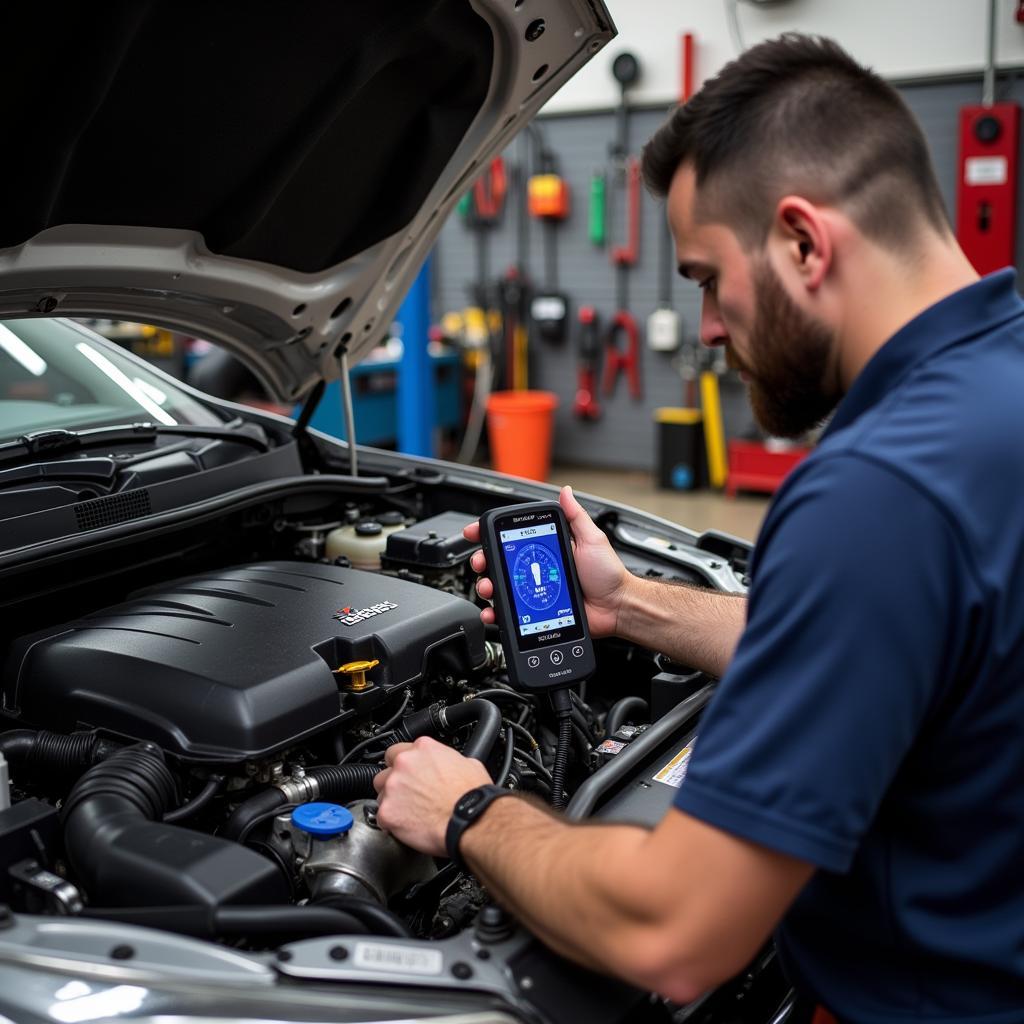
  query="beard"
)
[{"x": 793, "y": 385}]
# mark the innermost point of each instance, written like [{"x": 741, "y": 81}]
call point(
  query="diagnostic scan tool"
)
[{"x": 537, "y": 598}]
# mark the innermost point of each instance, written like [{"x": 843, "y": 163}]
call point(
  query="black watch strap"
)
[{"x": 468, "y": 810}]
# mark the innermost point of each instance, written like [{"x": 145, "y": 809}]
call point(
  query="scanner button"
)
[
  {"x": 556, "y": 657},
  {"x": 577, "y": 651},
  {"x": 533, "y": 661}
]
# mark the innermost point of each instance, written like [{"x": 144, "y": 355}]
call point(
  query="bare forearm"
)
[
  {"x": 675, "y": 910},
  {"x": 541, "y": 870},
  {"x": 693, "y": 626}
]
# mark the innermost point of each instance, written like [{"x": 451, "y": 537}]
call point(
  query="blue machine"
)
[
  {"x": 400, "y": 401},
  {"x": 416, "y": 400}
]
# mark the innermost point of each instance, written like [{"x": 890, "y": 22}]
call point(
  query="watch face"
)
[{"x": 470, "y": 801}]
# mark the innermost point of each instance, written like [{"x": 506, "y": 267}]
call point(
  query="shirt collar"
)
[{"x": 967, "y": 313}]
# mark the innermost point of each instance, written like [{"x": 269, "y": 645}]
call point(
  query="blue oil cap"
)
[{"x": 322, "y": 819}]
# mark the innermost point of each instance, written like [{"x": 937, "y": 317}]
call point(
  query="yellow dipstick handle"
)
[{"x": 356, "y": 672}]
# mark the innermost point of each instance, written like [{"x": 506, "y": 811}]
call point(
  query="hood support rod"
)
[
  {"x": 309, "y": 407},
  {"x": 305, "y": 415},
  {"x": 350, "y": 419}
]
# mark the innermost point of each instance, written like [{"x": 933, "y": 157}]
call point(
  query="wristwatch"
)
[{"x": 467, "y": 810}]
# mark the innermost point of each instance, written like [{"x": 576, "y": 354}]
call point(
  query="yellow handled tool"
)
[{"x": 714, "y": 430}]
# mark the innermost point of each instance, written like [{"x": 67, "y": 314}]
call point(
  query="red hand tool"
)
[
  {"x": 617, "y": 359},
  {"x": 586, "y": 406},
  {"x": 489, "y": 191}
]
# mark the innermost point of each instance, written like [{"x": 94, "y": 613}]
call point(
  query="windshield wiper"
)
[{"x": 43, "y": 443}]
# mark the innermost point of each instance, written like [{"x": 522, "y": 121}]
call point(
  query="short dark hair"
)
[{"x": 799, "y": 114}]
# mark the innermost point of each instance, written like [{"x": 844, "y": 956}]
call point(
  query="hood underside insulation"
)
[{"x": 296, "y": 134}]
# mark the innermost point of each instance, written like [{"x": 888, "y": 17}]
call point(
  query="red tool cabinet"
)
[{"x": 753, "y": 467}]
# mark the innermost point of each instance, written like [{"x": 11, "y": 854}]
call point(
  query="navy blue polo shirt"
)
[{"x": 872, "y": 720}]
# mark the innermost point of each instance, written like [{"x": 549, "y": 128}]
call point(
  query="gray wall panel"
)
[{"x": 624, "y": 436}]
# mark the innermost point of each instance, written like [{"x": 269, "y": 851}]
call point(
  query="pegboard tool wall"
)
[{"x": 624, "y": 436}]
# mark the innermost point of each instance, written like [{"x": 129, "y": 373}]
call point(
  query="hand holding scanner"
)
[{"x": 538, "y": 602}]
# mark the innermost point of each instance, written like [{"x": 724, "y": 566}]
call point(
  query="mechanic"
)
[{"x": 858, "y": 780}]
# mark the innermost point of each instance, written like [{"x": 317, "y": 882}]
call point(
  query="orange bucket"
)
[{"x": 520, "y": 425}]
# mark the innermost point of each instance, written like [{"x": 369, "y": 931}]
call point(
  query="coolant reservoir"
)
[{"x": 363, "y": 543}]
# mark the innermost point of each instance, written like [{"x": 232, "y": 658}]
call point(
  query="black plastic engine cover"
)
[{"x": 235, "y": 664}]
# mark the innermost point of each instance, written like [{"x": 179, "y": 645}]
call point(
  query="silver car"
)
[{"x": 215, "y": 617}]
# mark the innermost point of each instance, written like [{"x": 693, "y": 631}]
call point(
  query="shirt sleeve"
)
[{"x": 853, "y": 631}]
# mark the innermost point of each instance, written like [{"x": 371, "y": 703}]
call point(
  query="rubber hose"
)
[
  {"x": 535, "y": 763},
  {"x": 561, "y": 763},
  {"x": 378, "y": 920},
  {"x": 481, "y": 740},
  {"x": 122, "y": 852},
  {"x": 583, "y": 742},
  {"x": 198, "y": 802},
  {"x": 437, "y": 720},
  {"x": 530, "y": 782},
  {"x": 384, "y": 726},
  {"x": 131, "y": 787},
  {"x": 256, "y": 806},
  {"x": 610, "y": 775},
  {"x": 338, "y": 744},
  {"x": 18, "y": 743},
  {"x": 345, "y": 782},
  {"x": 581, "y": 722},
  {"x": 506, "y": 763},
  {"x": 44, "y": 752},
  {"x": 135, "y": 778},
  {"x": 620, "y": 709},
  {"x": 336, "y": 783},
  {"x": 498, "y": 694}
]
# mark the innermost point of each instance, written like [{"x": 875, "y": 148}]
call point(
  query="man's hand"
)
[
  {"x": 419, "y": 788},
  {"x": 603, "y": 577}
]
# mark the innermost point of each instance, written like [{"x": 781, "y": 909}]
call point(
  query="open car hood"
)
[{"x": 266, "y": 175}]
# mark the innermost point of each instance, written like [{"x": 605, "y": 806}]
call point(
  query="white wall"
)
[{"x": 899, "y": 38}]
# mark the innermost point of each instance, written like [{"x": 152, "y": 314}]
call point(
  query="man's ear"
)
[{"x": 806, "y": 241}]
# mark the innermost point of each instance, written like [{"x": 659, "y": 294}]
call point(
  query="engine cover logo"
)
[{"x": 352, "y": 616}]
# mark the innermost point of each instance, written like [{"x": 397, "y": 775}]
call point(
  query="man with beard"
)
[{"x": 857, "y": 779}]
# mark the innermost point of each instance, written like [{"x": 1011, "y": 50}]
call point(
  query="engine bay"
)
[{"x": 191, "y": 735}]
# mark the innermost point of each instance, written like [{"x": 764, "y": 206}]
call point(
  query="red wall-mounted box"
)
[{"x": 986, "y": 206}]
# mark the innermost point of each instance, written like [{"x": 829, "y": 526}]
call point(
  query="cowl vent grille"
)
[{"x": 115, "y": 508}]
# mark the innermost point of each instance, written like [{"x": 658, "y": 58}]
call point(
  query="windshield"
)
[{"x": 54, "y": 373}]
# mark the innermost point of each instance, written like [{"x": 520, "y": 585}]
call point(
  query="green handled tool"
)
[{"x": 596, "y": 220}]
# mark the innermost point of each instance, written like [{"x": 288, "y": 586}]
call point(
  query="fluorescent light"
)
[
  {"x": 21, "y": 353},
  {"x": 125, "y": 384}
]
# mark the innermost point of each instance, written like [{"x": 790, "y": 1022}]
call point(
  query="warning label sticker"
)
[
  {"x": 379, "y": 956},
  {"x": 610, "y": 747},
  {"x": 675, "y": 771}
]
